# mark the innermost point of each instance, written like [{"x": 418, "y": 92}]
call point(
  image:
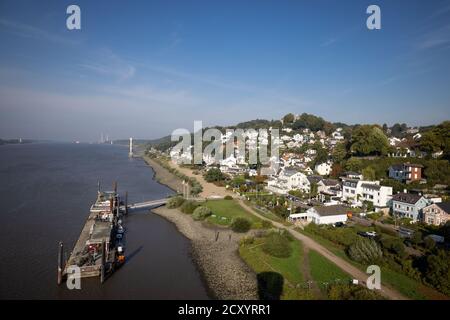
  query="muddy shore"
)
[{"x": 226, "y": 274}]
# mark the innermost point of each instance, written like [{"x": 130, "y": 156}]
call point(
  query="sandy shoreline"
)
[{"x": 226, "y": 274}]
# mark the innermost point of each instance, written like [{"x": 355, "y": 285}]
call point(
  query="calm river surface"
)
[{"x": 46, "y": 191}]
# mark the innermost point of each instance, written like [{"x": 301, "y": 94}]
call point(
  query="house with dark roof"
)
[
  {"x": 406, "y": 172},
  {"x": 408, "y": 205},
  {"x": 322, "y": 215},
  {"x": 328, "y": 188},
  {"x": 436, "y": 213}
]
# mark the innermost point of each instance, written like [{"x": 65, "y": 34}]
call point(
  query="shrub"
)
[
  {"x": 240, "y": 224},
  {"x": 174, "y": 202},
  {"x": 201, "y": 213},
  {"x": 246, "y": 241},
  {"x": 289, "y": 237},
  {"x": 351, "y": 292},
  {"x": 429, "y": 243},
  {"x": 228, "y": 197},
  {"x": 365, "y": 250},
  {"x": 214, "y": 174},
  {"x": 188, "y": 207},
  {"x": 438, "y": 270},
  {"x": 277, "y": 245},
  {"x": 266, "y": 224}
]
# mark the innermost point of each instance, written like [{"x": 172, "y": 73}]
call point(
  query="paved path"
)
[{"x": 341, "y": 263}]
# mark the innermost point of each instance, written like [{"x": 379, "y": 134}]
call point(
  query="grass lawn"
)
[
  {"x": 289, "y": 268},
  {"x": 266, "y": 213},
  {"x": 324, "y": 271},
  {"x": 223, "y": 212}
]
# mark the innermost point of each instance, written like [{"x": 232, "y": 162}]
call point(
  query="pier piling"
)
[
  {"x": 60, "y": 262},
  {"x": 102, "y": 270}
]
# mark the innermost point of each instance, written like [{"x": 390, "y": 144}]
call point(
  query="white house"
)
[
  {"x": 378, "y": 195},
  {"x": 324, "y": 169},
  {"x": 358, "y": 191},
  {"x": 288, "y": 180},
  {"x": 321, "y": 215},
  {"x": 298, "y": 138},
  {"x": 337, "y": 134}
]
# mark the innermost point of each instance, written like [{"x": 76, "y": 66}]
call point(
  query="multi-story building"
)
[
  {"x": 378, "y": 195},
  {"x": 406, "y": 172},
  {"x": 359, "y": 191},
  {"x": 408, "y": 205}
]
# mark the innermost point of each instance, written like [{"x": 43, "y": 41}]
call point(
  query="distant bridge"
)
[{"x": 147, "y": 204}]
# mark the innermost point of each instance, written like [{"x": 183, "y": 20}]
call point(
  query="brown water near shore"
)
[{"x": 226, "y": 274}]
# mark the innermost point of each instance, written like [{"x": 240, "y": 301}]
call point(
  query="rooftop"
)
[
  {"x": 444, "y": 206},
  {"x": 371, "y": 186},
  {"x": 333, "y": 210},
  {"x": 410, "y": 198}
]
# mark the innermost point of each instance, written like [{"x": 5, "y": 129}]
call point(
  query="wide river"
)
[{"x": 46, "y": 191}]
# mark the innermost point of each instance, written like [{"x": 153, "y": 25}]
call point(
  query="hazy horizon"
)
[{"x": 144, "y": 68}]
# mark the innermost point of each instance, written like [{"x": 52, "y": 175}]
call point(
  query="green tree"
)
[
  {"x": 238, "y": 181},
  {"x": 339, "y": 152},
  {"x": 289, "y": 118},
  {"x": 369, "y": 173},
  {"x": 365, "y": 250},
  {"x": 240, "y": 224},
  {"x": 214, "y": 174},
  {"x": 369, "y": 140},
  {"x": 277, "y": 245},
  {"x": 353, "y": 164},
  {"x": 201, "y": 213}
]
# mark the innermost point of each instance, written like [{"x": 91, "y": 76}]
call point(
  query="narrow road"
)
[{"x": 341, "y": 263}]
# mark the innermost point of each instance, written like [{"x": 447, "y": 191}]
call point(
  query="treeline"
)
[{"x": 13, "y": 141}]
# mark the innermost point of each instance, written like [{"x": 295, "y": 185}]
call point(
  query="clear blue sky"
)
[{"x": 144, "y": 68}]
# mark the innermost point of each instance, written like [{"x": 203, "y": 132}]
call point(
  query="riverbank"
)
[
  {"x": 226, "y": 274},
  {"x": 162, "y": 175}
]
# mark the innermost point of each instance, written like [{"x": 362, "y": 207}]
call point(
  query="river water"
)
[{"x": 46, "y": 190}]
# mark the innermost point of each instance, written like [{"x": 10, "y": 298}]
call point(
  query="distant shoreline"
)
[{"x": 225, "y": 274}]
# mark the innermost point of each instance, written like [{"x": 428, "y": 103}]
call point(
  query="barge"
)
[{"x": 99, "y": 250}]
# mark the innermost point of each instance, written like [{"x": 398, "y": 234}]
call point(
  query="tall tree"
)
[
  {"x": 339, "y": 152},
  {"x": 369, "y": 140},
  {"x": 289, "y": 118}
]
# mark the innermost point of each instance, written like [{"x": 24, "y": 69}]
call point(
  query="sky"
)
[{"x": 144, "y": 68}]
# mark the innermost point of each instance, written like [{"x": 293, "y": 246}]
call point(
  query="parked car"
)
[{"x": 367, "y": 234}]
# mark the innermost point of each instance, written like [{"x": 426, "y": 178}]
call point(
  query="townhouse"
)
[
  {"x": 408, "y": 205},
  {"x": 436, "y": 213}
]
